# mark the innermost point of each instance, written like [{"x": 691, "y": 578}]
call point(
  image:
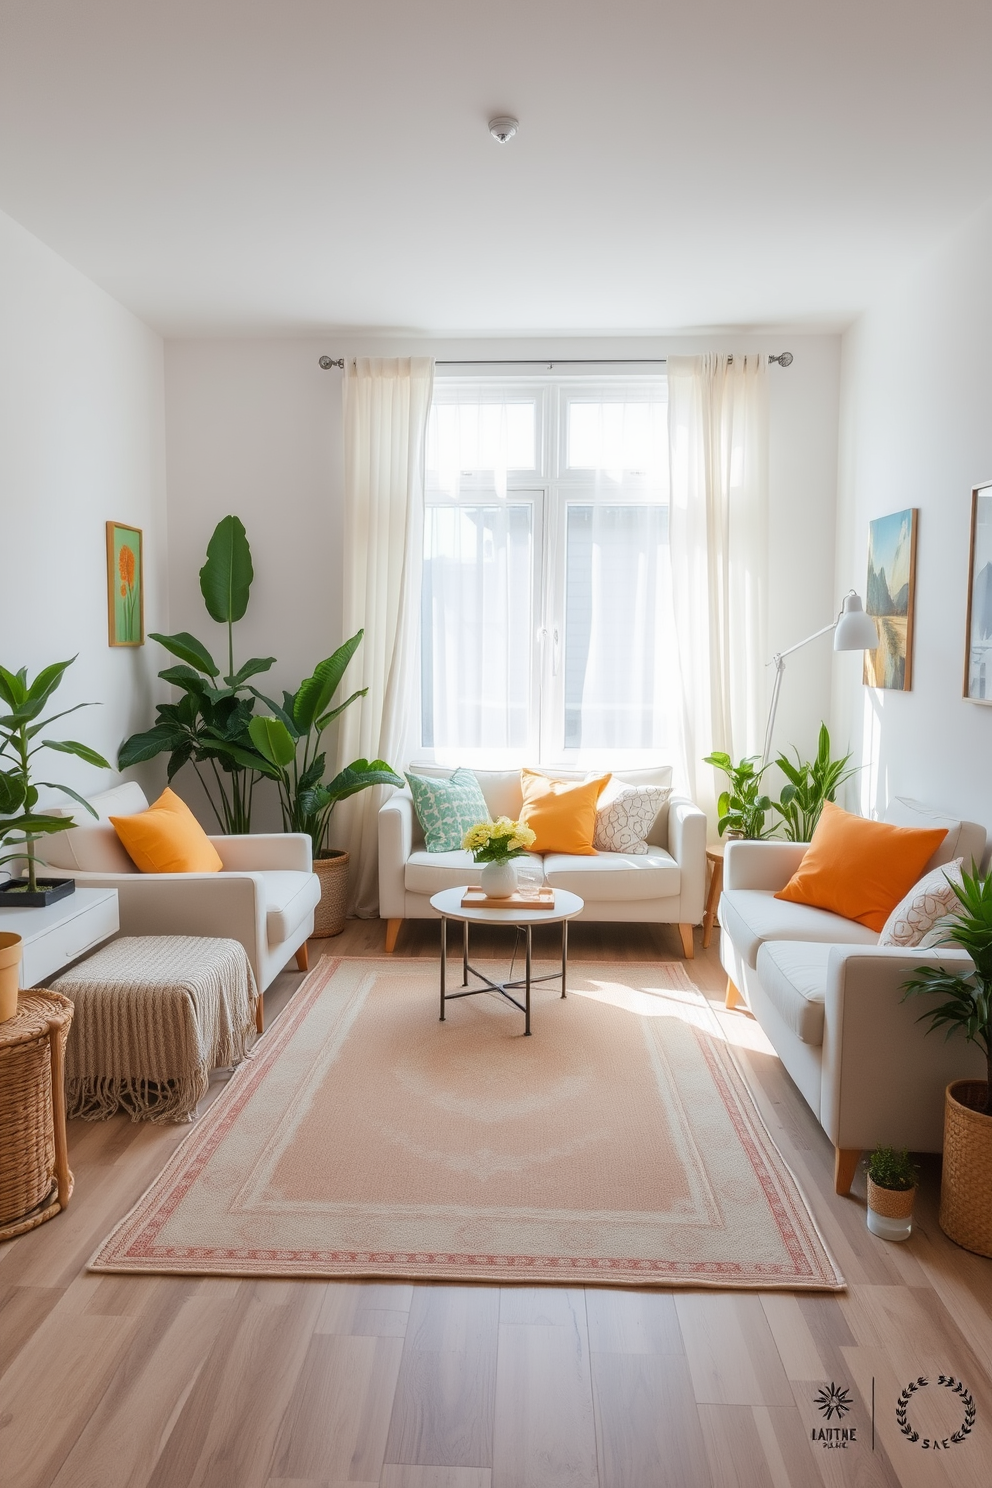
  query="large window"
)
[{"x": 547, "y": 631}]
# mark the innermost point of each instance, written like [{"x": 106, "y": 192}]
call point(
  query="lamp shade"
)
[{"x": 855, "y": 631}]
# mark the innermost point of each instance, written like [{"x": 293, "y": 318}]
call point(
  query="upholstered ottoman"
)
[{"x": 153, "y": 1016}]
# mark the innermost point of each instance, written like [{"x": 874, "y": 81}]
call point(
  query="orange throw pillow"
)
[
  {"x": 858, "y": 868},
  {"x": 561, "y": 812},
  {"x": 167, "y": 838}
]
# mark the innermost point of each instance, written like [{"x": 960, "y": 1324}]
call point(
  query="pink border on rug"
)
[{"x": 131, "y": 1246}]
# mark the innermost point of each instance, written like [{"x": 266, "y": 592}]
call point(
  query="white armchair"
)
[{"x": 264, "y": 897}]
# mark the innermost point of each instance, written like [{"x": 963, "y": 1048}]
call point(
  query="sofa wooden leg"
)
[
  {"x": 688, "y": 949},
  {"x": 303, "y": 958},
  {"x": 733, "y": 998},
  {"x": 260, "y": 1013},
  {"x": 846, "y": 1161},
  {"x": 392, "y": 930}
]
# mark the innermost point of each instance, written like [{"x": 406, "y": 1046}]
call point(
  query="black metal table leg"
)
[
  {"x": 444, "y": 961},
  {"x": 527, "y": 992},
  {"x": 465, "y": 953},
  {"x": 564, "y": 954}
]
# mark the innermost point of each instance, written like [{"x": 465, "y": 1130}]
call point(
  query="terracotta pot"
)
[
  {"x": 332, "y": 869},
  {"x": 890, "y": 1211},
  {"x": 10, "y": 966},
  {"x": 966, "y": 1180}
]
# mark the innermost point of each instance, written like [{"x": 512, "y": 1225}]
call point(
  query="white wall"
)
[
  {"x": 916, "y": 422},
  {"x": 81, "y": 443},
  {"x": 254, "y": 427}
]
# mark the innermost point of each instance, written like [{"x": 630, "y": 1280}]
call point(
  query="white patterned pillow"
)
[
  {"x": 625, "y": 816},
  {"x": 926, "y": 903}
]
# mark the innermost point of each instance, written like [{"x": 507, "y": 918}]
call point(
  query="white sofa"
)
[
  {"x": 665, "y": 886},
  {"x": 264, "y": 897},
  {"x": 830, "y": 999}
]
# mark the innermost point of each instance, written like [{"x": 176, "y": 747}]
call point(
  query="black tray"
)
[{"x": 12, "y": 896}]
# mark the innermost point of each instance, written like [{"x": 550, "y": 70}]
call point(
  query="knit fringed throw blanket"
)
[{"x": 154, "y": 1015}]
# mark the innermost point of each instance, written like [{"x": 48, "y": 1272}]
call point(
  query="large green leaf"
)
[
  {"x": 54, "y": 785},
  {"x": 12, "y": 687},
  {"x": 188, "y": 649},
  {"x": 332, "y": 713},
  {"x": 314, "y": 694},
  {"x": 272, "y": 739},
  {"x": 11, "y": 793},
  {"x": 81, "y": 751},
  {"x": 358, "y": 776},
  {"x": 161, "y": 739},
  {"x": 284, "y": 714},
  {"x": 225, "y": 578},
  {"x": 250, "y": 669}
]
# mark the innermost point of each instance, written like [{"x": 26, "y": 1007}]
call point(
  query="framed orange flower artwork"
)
[{"x": 125, "y": 585}]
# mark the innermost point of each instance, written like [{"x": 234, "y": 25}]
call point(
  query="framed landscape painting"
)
[
  {"x": 890, "y": 600},
  {"x": 978, "y": 655},
  {"x": 125, "y": 585}
]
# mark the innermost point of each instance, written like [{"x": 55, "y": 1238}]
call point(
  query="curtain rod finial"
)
[{"x": 328, "y": 362}]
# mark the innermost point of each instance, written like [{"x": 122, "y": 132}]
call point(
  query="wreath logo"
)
[{"x": 948, "y": 1382}]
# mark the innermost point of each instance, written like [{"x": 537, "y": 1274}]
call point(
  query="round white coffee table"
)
[{"x": 449, "y": 906}]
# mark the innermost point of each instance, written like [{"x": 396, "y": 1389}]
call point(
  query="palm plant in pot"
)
[
  {"x": 289, "y": 740},
  {"x": 21, "y": 823},
  {"x": 965, "y": 1008},
  {"x": 892, "y": 1180}
]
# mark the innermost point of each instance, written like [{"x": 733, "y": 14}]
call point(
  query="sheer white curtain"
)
[
  {"x": 386, "y": 403},
  {"x": 718, "y": 446}
]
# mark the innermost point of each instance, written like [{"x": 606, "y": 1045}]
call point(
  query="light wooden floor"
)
[{"x": 122, "y": 1382}]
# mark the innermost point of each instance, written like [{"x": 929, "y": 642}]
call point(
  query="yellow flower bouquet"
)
[{"x": 498, "y": 841}]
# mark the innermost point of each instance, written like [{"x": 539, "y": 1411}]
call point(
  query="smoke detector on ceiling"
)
[{"x": 503, "y": 128}]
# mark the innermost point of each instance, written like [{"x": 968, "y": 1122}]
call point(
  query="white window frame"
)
[{"x": 553, "y": 489}]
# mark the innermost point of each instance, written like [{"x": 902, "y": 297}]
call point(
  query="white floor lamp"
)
[{"x": 853, "y": 631}]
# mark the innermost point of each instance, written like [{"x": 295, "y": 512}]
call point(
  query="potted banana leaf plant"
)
[
  {"x": 208, "y": 726},
  {"x": 289, "y": 740},
  {"x": 21, "y": 823}
]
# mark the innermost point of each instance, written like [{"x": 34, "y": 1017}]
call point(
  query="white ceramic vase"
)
[{"x": 498, "y": 880}]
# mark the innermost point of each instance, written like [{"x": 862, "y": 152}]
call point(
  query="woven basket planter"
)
[
  {"x": 10, "y": 965},
  {"x": 966, "y": 1181},
  {"x": 329, "y": 916},
  {"x": 891, "y": 1203},
  {"x": 35, "y": 1182}
]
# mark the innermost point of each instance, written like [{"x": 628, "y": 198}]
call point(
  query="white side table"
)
[
  {"x": 61, "y": 932},
  {"x": 449, "y": 906}
]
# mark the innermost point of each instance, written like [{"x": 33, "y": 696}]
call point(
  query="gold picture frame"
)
[
  {"x": 125, "y": 585},
  {"x": 978, "y": 628}
]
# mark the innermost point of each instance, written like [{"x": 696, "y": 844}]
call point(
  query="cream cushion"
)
[
  {"x": 289, "y": 899},
  {"x": 429, "y": 873},
  {"x": 927, "y": 902},
  {"x": 612, "y": 877},
  {"x": 964, "y": 839},
  {"x": 794, "y": 975},
  {"x": 625, "y": 815},
  {"x": 92, "y": 845},
  {"x": 752, "y": 916}
]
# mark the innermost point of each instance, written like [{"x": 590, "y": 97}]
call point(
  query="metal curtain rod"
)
[{"x": 784, "y": 359}]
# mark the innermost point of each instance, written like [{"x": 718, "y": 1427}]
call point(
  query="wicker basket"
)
[
  {"x": 329, "y": 916},
  {"x": 966, "y": 1181},
  {"x": 891, "y": 1203},
  {"x": 35, "y": 1182}
]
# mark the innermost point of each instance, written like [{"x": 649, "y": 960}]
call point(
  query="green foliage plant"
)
[
  {"x": 209, "y": 726},
  {"x": 967, "y": 998},
  {"x": 20, "y": 820},
  {"x": 809, "y": 783},
  {"x": 741, "y": 809},
  {"x": 890, "y": 1167},
  {"x": 289, "y": 738}
]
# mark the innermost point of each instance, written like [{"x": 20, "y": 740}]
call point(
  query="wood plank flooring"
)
[{"x": 164, "y": 1382}]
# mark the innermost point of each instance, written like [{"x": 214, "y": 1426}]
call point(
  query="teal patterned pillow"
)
[{"x": 447, "y": 808}]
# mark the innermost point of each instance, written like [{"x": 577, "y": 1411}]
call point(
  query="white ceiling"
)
[{"x": 271, "y": 165}]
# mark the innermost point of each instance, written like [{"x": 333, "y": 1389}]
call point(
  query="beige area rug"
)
[{"x": 362, "y": 1137}]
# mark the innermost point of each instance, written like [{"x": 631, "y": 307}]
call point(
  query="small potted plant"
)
[
  {"x": 21, "y": 824},
  {"x": 495, "y": 844},
  {"x": 892, "y": 1182},
  {"x": 289, "y": 741},
  {"x": 742, "y": 808},
  {"x": 808, "y": 784},
  {"x": 966, "y": 1008}
]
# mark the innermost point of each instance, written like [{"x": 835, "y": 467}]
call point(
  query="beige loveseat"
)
[
  {"x": 665, "y": 886},
  {"x": 830, "y": 999},
  {"x": 265, "y": 897}
]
